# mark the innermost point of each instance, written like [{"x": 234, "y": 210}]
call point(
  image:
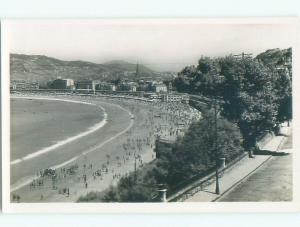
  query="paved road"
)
[
  {"x": 271, "y": 182},
  {"x": 279, "y": 170}
]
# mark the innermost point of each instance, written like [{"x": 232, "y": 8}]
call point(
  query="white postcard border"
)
[{"x": 182, "y": 207}]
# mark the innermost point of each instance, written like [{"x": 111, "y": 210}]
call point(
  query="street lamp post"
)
[
  {"x": 216, "y": 147},
  {"x": 162, "y": 192}
]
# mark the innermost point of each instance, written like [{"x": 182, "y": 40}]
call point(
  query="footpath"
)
[{"x": 241, "y": 170}]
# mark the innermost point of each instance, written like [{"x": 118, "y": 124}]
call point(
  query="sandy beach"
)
[{"x": 98, "y": 160}]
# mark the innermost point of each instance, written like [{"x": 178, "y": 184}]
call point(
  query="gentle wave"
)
[
  {"x": 27, "y": 180},
  {"x": 68, "y": 140}
]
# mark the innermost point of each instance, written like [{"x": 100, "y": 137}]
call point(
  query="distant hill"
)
[
  {"x": 42, "y": 68},
  {"x": 126, "y": 66}
]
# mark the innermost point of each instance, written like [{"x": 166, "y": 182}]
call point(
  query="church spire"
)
[{"x": 137, "y": 70}]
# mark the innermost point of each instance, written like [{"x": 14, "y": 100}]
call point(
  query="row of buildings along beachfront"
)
[
  {"x": 130, "y": 86},
  {"x": 70, "y": 84},
  {"x": 153, "y": 90}
]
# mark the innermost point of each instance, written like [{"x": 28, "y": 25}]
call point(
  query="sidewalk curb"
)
[
  {"x": 193, "y": 187},
  {"x": 251, "y": 173},
  {"x": 241, "y": 180}
]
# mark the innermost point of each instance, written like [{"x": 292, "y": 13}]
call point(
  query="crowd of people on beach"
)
[{"x": 155, "y": 120}]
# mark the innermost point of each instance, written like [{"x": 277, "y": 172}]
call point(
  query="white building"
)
[{"x": 160, "y": 88}]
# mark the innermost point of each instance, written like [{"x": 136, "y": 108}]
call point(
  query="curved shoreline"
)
[
  {"x": 27, "y": 180},
  {"x": 65, "y": 141}
]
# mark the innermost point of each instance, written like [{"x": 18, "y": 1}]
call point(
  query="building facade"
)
[
  {"x": 86, "y": 85},
  {"x": 160, "y": 88},
  {"x": 128, "y": 86},
  {"x": 63, "y": 84},
  {"x": 23, "y": 85},
  {"x": 104, "y": 86}
]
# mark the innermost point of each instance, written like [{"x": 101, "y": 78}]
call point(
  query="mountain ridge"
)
[{"x": 43, "y": 68}]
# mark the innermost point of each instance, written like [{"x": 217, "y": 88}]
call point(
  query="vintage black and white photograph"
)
[{"x": 148, "y": 111}]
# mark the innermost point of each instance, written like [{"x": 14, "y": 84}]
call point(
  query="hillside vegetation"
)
[{"x": 42, "y": 68}]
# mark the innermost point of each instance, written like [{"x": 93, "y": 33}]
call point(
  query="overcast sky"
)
[{"x": 161, "y": 46}]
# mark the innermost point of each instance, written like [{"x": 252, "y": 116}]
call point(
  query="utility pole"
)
[
  {"x": 216, "y": 147},
  {"x": 135, "y": 169}
]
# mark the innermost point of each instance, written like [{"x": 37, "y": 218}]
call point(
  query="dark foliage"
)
[{"x": 257, "y": 92}]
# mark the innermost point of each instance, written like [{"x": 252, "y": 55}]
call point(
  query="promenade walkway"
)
[
  {"x": 242, "y": 170},
  {"x": 272, "y": 182}
]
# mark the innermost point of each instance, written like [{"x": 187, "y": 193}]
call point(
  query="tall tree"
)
[
  {"x": 249, "y": 97},
  {"x": 196, "y": 151},
  {"x": 257, "y": 96}
]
